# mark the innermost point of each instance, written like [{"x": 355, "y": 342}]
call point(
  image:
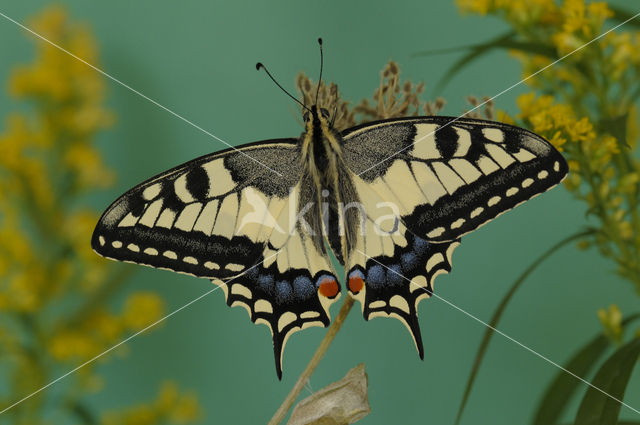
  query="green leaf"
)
[
  {"x": 504, "y": 41},
  {"x": 500, "y": 310},
  {"x": 598, "y": 408},
  {"x": 557, "y": 396},
  {"x": 617, "y": 127},
  {"x": 621, "y": 15}
]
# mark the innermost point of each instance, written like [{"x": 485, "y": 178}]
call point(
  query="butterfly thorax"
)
[{"x": 326, "y": 186}]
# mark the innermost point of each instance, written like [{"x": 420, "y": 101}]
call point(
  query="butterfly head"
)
[{"x": 316, "y": 114}]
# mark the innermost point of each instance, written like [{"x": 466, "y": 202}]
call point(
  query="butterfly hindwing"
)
[
  {"x": 452, "y": 175},
  {"x": 227, "y": 218}
]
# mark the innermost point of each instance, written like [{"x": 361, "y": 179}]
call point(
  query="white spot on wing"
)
[
  {"x": 377, "y": 304},
  {"x": 286, "y": 318},
  {"x": 543, "y": 174},
  {"x": 101, "y": 240},
  {"x": 434, "y": 260},
  {"x": 263, "y": 306},
  {"x": 425, "y": 142},
  {"x": 190, "y": 260},
  {"x": 207, "y": 218},
  {"x": 211, "y": 265},
  {"x": 449, "y": 179},
  {"x": 170, "y": 254},
  {"x": 428, "y": 182},
  {"x": 400, "y": 303},
  {"x": 527, "y": 182},
  {"x": 494, "y": 200},
  {"x": 226, "y": 219},
  {"x": 151, "y": 214},
  {"x": 151, "y": 251},
  {"x": 116, "y": 244},
  {"x": 512, "y": 191},
  {"x": 188, "y": 216},
  {"x": 464, "y": 141},
  {"x": 239, "y": 289},
  {"x": 499, "y": 155},
  {"x": 133, "y": 247},
  {"x": 180, "y": 187},
  {"x": 150, "y": 192},
  {"x": 458, "y": 223},
  {"x": 128, "y": 221},
  {"x": 234, "y": 267},
  {"x": 476, "y": 212},
  {"x": 220, "y": 181},
  {"x": 524, "y": 155},
  {"x": 435, "y": 232},
  {"x": 487, "y": 165},
  {"x": 418, "y": 282},
  {"x": 465, "y": 169},
  {"x": 166, "y": 218},
  {"x": 309, "y": 315},
  {"x": 494, "y": 134}
]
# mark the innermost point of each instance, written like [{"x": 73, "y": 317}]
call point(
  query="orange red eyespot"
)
[
  {"x": 356, "y": 284},
  {"x": 328, "y": 287},
  {"x": 356, "y": 281}
]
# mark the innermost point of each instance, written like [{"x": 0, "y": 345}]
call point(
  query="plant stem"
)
[
  {"x": 497, "y": 314},
  {"x": 313, "y": 363}
]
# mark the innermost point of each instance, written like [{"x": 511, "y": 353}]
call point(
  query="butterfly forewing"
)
[
  {"x": 452, "y": 175},
  {"x": 227, "y": 218}
]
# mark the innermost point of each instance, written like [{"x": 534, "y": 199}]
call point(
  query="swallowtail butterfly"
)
[{"x": 391, "y": 199}]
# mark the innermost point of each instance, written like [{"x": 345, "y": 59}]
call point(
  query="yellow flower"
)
[
  {"x": 481, "y": 7},
  {"x": 187, "y": 409},
  {"x": 179, "y": 408},
  {"x": 142, "y": 309},
  {"x": 611, "y": 320},
  {"x": 581, "y": 130},
  {"x": 70, "y": 345},
  {"x": 529, "y": 105},
  {"x": 574, "y": 12}
]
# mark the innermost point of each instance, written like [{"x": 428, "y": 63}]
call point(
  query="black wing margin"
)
[{"x": 453, "y": 175}]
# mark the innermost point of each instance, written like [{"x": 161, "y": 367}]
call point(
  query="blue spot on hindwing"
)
[
  {"x": 265, "y": 283},
  {"x": 394, "y": 275},
  {"x": 303, "y": 288},
  {"x": 420, "y": 245},
  {"x": 356, "y": 273},
  {"x": 283, "y": 291},
  {"x": 409, "y": 261},
  {"x": 376, "y": 276},
  {"x": 323, "y": 277}
]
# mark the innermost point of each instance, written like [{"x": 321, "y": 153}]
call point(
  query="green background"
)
[{"x": 197, "y": 58}]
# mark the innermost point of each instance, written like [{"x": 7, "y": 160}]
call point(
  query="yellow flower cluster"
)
[
  {"x": 100, "y": 329},
  {"x": 170, "y": 407},
  {"x": 558, "y": 122},
  {"x": 586, "y": 109},
  {"x": 518, "y": 12},
  {"x": 54, "y": 291}
]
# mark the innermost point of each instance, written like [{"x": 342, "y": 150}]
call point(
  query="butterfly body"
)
[{"x": 391, "y": 199}]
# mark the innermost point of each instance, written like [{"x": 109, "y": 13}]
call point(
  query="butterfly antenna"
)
[
  {"x": 260, "y": 65},
  {"x": 321, "y": 64}
]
